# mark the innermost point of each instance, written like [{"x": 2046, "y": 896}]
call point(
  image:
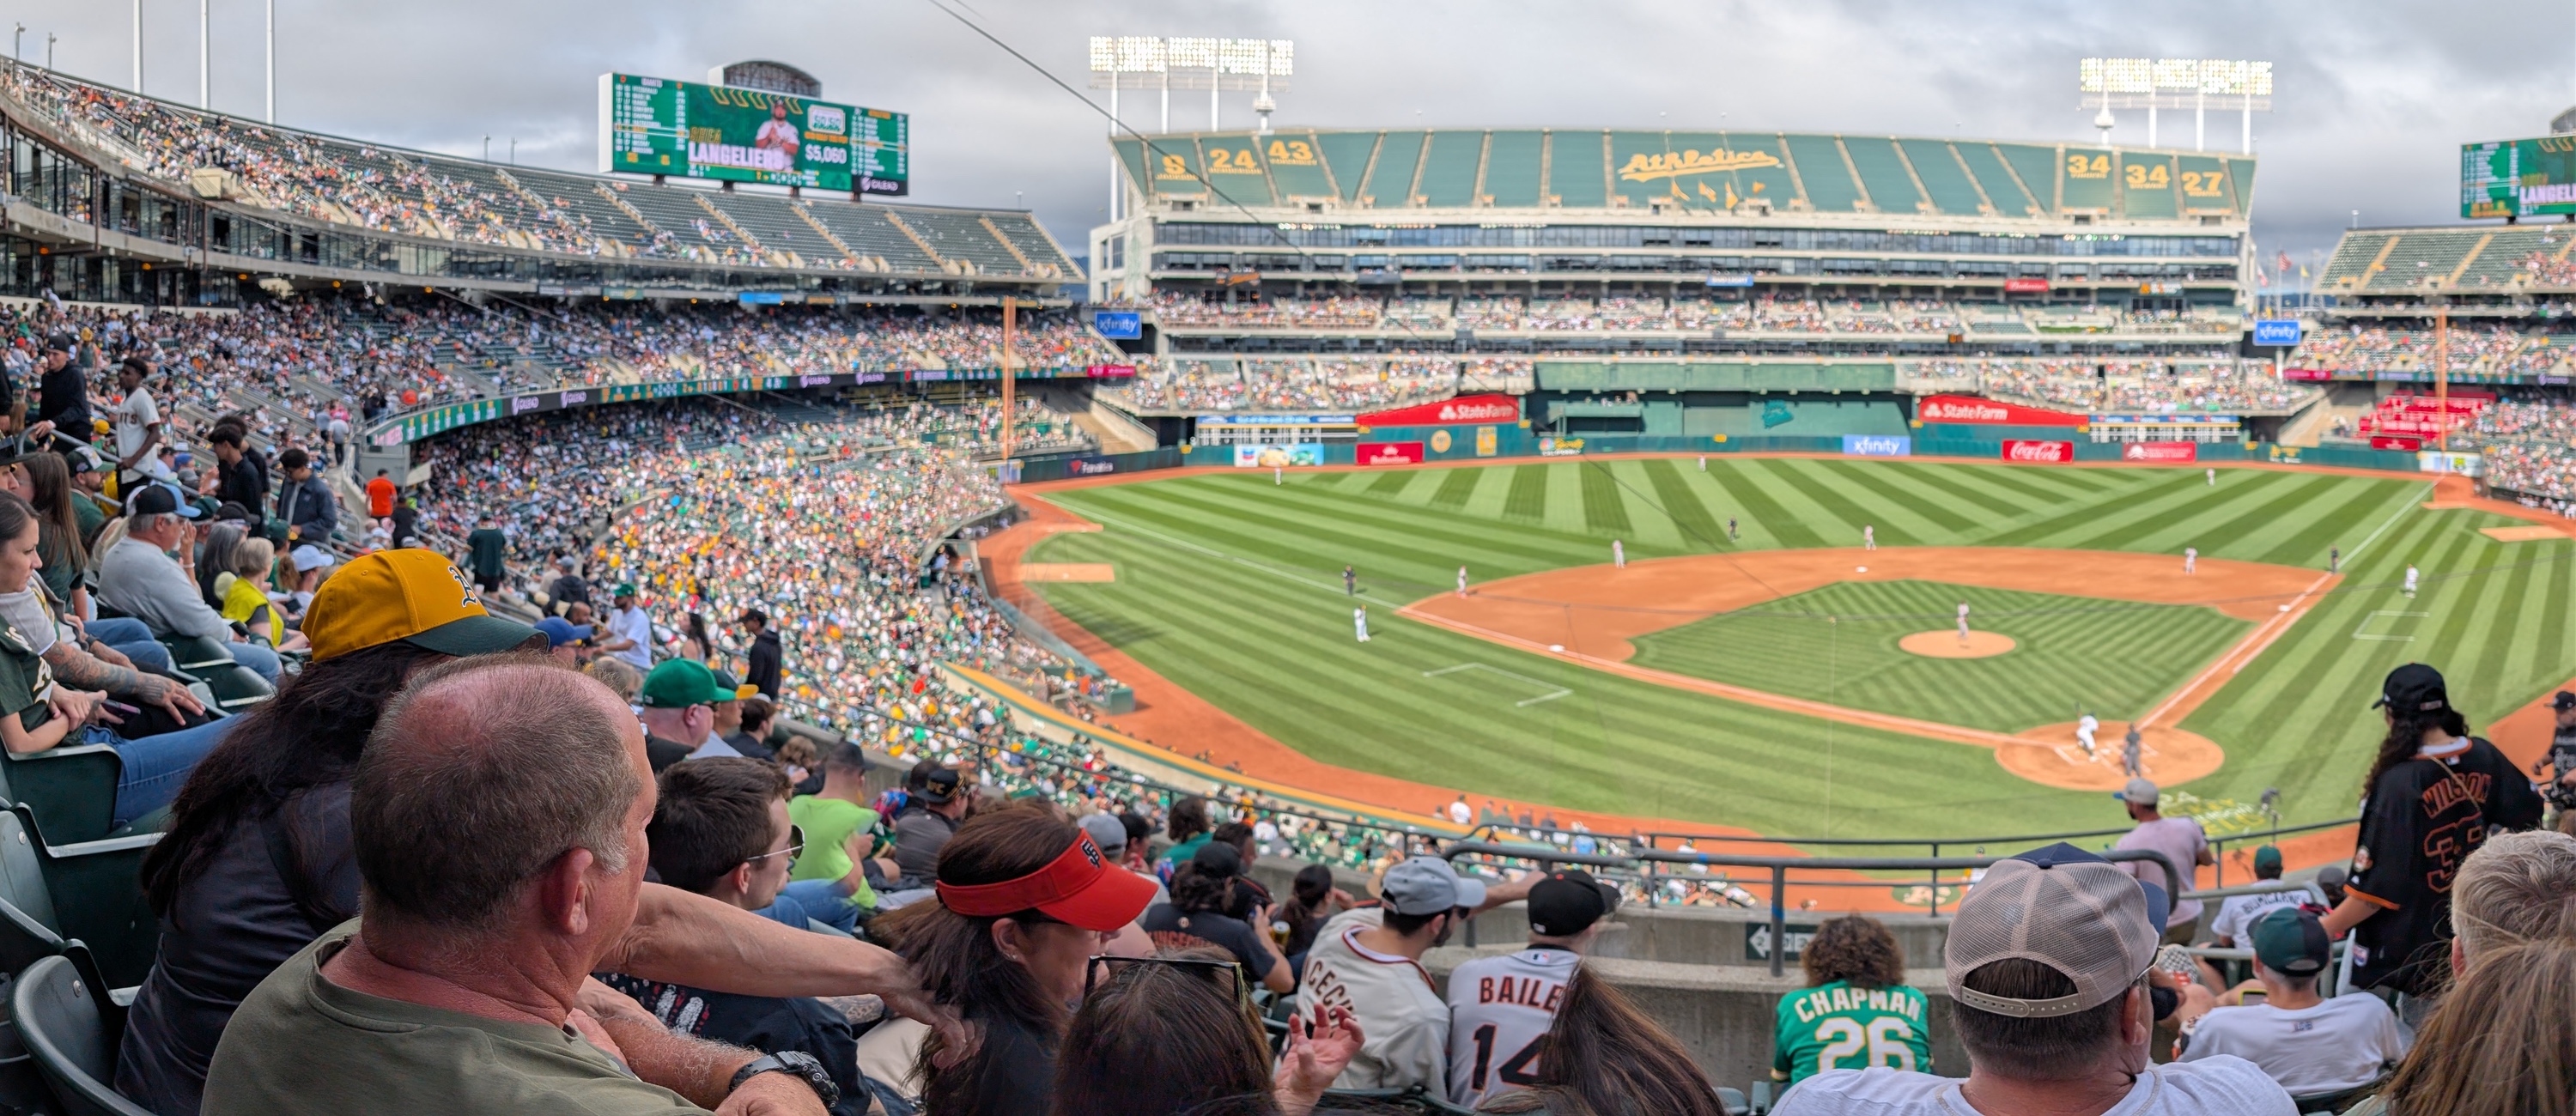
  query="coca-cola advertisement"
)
[
  {"x": 2160, "y": 451},
  {"x": 2052, "y": 453},
  {"x": 1969, "y": 408}
]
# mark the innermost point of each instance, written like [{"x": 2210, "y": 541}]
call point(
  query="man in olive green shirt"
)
[{"x": 498, "y": 818}]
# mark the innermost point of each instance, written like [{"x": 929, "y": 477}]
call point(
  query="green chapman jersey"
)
[{"x": 1838, "y": 1026}]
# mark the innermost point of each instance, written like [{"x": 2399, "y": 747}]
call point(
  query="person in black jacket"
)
[
  {"x": 305, "y": 504},
  {"x": 2435, "y": 794},
  {"x": 237, "y": 479},
  {"x": 63, "y": 400},
  {"x": 764, "y": 652}
]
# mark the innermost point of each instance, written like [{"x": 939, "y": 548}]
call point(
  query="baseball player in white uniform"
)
[
  {"x": 1278, "y": 476},
  {"x": 1868, "y": 537},
  {"x": 1963, "y": 623},
  {"x": 1618, "y": 554},
  {"x": 2190, "y": 559},
  {"x": 1462, "y": 581},
  {"x": 2213, "y": 478},
  {"x": 2085, "y": 727},
  {"x": 2410, "y": 581},
  {"x": 1359, "y": 621},
  {"x": 1500, "y": 1007}
]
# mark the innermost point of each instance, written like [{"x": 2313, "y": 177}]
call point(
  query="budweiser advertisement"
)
[
  {"x": 2307, "y": 374},
  {"x": 2160, "y": 451},
  {"x": 1969, "y": 408},
  {"x": 2025, "y": 286},
  {"x": 2055, "y": 453},
  {"x": 1390, "y": 453},
  {"x": 1450, "y": 412}
]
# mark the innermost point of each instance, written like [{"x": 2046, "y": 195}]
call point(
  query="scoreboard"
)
[
  {"x": 658, "y": 126},
  {"x": 2509, "y": 178}
]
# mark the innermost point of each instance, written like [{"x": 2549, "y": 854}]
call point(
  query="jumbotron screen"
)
[
  {"x": 653, "y": 125},
  {"x": 2509, "y": 178}
]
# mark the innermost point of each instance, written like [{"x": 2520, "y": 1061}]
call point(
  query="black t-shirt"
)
[
  {"x": 1016, "y": 1075},
  {"x": 2562, "y": 759},
  {"x": 2422, "y": 818},
  {"x": 767, "y": 1024},
  {"x": 663, "y": 753},
  {"x": 1225, "y": 932}
]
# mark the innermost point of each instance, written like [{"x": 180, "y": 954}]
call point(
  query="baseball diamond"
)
[{"x": 1229, "y": 590}]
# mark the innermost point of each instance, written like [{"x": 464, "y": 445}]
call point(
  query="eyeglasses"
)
[
  {"x": 1099, "y": 961},
  {"x": 795, "y": 845}
]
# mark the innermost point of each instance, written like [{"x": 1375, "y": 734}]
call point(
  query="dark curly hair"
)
[{"x": 1853, "y": 948}]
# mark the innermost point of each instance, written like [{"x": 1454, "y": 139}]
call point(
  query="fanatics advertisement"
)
[
  {"x": 1969, "y": 408},
  {"x": 2160, "y": 451},
  {"x": 1390, "y": 453},
  {"x": 2053, "y": 453}
]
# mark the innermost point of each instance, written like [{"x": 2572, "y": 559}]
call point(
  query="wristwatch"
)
[{"x": 796, "y": 1064}]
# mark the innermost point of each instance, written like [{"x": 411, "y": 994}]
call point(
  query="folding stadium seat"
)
[
  {"x": 91, "y": 891},
  {"x": 71, "y": 790},
  {"x": 72, "y": 1033},
  {"x": 236, "y": 687}
]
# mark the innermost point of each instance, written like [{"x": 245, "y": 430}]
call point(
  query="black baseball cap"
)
[
  {"x": 1567, "y": 902},
  {"x": 940, "y": 786},
  {"x": 2412, "y": 689},
  {"x": 2291, "y": 940},
  {"x": 1220, "y": 858},
  {"x": 161, "y": 499},
  {"x": 2564, "y": 700},
  {"x": 58, "y": 343}
]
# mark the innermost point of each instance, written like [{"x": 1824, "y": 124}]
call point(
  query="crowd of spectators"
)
[
  {"x": 1310, "y": 383},
  {"x": 2116, "y": 386},
  {"x": 1634, "y": 313}
]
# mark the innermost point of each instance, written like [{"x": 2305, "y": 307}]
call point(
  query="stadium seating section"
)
[
  {"x": 2461, "y": 258},
  {"x": 1505, "y": 316}
]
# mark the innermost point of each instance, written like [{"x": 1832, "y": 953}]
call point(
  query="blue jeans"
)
[
  {"x": 258, "y": 656},
  {"x": 131, "y": 638},
  {"x": 819, "y": 900},
  {"x": 156, "y": 766}
]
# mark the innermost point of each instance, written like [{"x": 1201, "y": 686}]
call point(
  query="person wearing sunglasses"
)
[
  {"x": 1024, "y": 899},
  {"x": 720, "y": 829}
]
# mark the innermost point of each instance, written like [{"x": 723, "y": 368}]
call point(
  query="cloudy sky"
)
[{"x": 2374, "y": 95}]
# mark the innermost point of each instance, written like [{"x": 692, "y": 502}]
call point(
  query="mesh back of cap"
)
[{"x": 2087, "y": 921}]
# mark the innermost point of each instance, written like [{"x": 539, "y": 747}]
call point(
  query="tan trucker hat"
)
[{"x": 2079, "y": 915}]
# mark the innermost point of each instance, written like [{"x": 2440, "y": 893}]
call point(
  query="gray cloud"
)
[{"x": 2375, "y": 95}]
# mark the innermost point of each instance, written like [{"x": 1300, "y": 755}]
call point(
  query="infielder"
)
[
  {"x": 2085, "y": 727},
  {"x": 2129, "y": 748},
  {"x": 1868, "y": 537},
  {"x": 1462, "y": 581},
  {"x": 1359, "y": 622},
  {"x": 1730, "y": 528},
  {"x": 2213, "y": 478},
  {"x": 2190, "y": 559},
  {"x": 1350, "y": 582},
  {"x": 2410, "y": 582},
  {"x": 2334, "y": 559},
  {"x": 1963, "y": 623},
  {"x": 1278, "y": 475},
  {"x": 1703, "y": 463},
  {"x": 1618, "y": 554}
]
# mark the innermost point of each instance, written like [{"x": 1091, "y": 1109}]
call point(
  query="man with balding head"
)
[{"x": 498, "y": 818}]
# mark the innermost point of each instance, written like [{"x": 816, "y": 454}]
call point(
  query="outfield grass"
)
[
  {"x": 1837, "y": 644},
  {"x": 1230, "y": 586}
]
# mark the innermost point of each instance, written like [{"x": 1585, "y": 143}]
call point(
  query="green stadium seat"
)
[
  {"x": 96, "y": 893},
  {"x": 67, "y": 1026},
  {"x": 236, "y": 687}
]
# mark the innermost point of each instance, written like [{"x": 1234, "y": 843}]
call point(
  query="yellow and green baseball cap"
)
[
  {"x": 410, "y": 594},
  {"x": 681, "y": 683}
]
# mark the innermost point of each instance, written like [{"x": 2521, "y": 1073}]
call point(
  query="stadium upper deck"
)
[
  {"x": 2509, "y": 289},
  {"x": 106, "y": 184},
  {"x": 1529, "y": 212}
]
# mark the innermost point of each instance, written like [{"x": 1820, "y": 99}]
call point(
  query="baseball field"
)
[{"x": 1744, "y": 669}]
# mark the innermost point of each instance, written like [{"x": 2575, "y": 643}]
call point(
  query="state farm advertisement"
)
[
  {"x": 1969, "y": 408},
  {"x": 1390, "y": 453},
  {"x": 2053, "y": 453},
  {"x": 2160, "y": 451},
  {"x": 1450, "y": 412}
]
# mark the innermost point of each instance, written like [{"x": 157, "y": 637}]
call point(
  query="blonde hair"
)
[
  {"x": 2495, "y": 1044},
  {"x": 2517, "y": 887},
  {"x": 618, "y": 675},
  {"x": 254, "y": 559}
]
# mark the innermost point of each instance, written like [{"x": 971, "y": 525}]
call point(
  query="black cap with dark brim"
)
[{"x": 479, "y": 635}]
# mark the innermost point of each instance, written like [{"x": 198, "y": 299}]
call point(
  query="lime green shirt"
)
[
  {"x": 1838, "y": 1026},
  {"x": 828, "y": 824}
]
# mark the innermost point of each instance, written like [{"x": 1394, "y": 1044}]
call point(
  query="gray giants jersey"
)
[{"x": 1500, "y": 1009}]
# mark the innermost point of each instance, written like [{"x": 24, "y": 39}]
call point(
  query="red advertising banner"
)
[
  {"x": 2307, "y": 374},
  {"x": 1450, "y": 412},
  {"x": 1390, "y": 453},
  {"x": 2025, "y": 286},
  {"x": 1969, "y": 408},
  {"x": 2055, "y": 453},
  {"x": 2410, "y": 445},
  {"x": 1111, "y": 371},
  {"x": 2160, "y": 451}
]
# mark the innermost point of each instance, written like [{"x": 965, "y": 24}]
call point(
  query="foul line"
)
[
  {"x": 1551, "y": 695},
  {"x": 2357, "y": 632}
]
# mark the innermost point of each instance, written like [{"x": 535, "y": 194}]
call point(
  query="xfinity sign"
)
[
  {"x": 2280, "y": 333},
  {"x": 1878, "y": 445}
]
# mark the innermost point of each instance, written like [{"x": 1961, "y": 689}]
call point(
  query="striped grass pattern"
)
[{"x": 1230, "y": 586}]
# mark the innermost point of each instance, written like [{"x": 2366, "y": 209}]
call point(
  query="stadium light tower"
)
[
  {"x": 205, "y": 54},
  {"x": 2197, "y": 84},
  {"x": 138, "y": 46},
  {"x": 1261, "y": 66}
]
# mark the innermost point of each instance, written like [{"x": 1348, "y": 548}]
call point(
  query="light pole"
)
[
  {"x": 205, "y": 55},
  {"x": 138, "y": 46},
  {"x": 49, "y": 50},
  {"x": 272, "y": 61}
]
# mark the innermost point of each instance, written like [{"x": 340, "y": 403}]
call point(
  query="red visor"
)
[{"x": 1080, "y": 887}]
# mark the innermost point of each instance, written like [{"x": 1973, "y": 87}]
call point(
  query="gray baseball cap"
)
[
  {"x": 1106, "y": 831},
  {"x": 2063, "y": 908},
  {"x": 2139, "y": 792},
  {"x": 1427, "y": 885}
]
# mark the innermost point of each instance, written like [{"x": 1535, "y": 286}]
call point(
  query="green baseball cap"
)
[
  {"x": 624, "y": 589},
  {"x": 2291, "y": 940},
  {"x": 681, "y": 683},
  {"x": 2268, "y": 859}
]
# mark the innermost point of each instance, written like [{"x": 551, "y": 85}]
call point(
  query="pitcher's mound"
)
[
  {"x": 1948, "y": 645},
  {"x": 2167, "y": 756}
]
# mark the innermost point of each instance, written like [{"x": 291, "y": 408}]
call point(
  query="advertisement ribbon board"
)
[
  {"x": 1878, "y": 445},
  {"x": 1390, "y": 453},
  {"x": 1971, "y": 409},
  {"x": 2160, "y": 451},
  {"x": 2052, "y": 453}
]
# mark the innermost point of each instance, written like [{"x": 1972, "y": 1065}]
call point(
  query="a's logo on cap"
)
[{"x": 471, "y": 598}]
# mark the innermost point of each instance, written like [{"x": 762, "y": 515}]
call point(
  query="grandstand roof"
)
[{"x": 1714, "y": 173}]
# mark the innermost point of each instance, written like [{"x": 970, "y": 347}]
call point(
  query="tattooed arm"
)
[{"x": 81, "y": 670}]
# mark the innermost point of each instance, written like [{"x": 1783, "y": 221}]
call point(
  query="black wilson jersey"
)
[{"x": 2422, "y": 818}]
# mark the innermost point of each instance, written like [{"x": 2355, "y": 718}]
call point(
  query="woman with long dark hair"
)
[
  {"x": 1606, "y": 1058},
  {"x": 1175, "y": 1034},
  {"x": 1024, "y": 899},
  {"x": 1312, "y": 900},
  {"x": 2433, "y": 795},
  {"x": 1213, "y": 903},
  {"x": 58, "y": 532}
]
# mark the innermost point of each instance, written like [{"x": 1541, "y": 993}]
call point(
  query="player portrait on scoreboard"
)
[{"x": 779, "y": 134}]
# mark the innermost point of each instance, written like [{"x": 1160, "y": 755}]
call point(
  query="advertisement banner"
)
[
  {"x": 2160, "y": 451},
  {"x": 1969, "y": 408},
  {"x": 1272, "y": 457},
  {"x": 2307, "y": 374},
  {"x": 1878, "y": 445},
  {"x": 2054, "y": 453},
  {"x": 2455, "y": 461},
  {"x": 2396, "y": 442},
  {"x": 1110, "y": 371},
  {"x": 2276, "y": 332},
  {"x": 2025, "y": 286},
  {"x": 1485, "y": 437},
  {"x": 1390, "y": 453},
  {"x": 1118, "y": 325},
  {"x": 1448, "y": 412},
  {"x": 652, "y": 125}
]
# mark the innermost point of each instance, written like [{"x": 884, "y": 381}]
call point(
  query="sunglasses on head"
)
[
  {"x": 795, "y": 846},
  {"x": 1100, "y": 961}
]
